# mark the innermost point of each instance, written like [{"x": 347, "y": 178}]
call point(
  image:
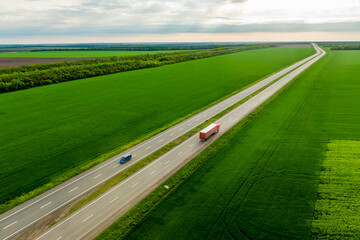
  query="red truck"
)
[{"x": 208, "y": 131}]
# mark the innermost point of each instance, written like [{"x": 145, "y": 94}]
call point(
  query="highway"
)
[
  {"x": 31, "y": 212},
  {"x": 93, "y": 217}
]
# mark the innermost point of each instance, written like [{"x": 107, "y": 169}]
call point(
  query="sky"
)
[{"x": 71, "y": 21}]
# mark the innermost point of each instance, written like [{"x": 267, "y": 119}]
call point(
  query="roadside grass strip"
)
[{"x": 337, "y": 210}]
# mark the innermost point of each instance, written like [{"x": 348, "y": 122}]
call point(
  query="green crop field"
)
[
  {"x": 76, "y": 54},
  {"x": 337, "y": 208},
  {"x": 261, "y": 181},
  {"x": 46, "y": 131}
]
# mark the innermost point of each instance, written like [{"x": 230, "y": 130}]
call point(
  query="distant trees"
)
[
  {"x": 16, "y": 78},
  {"x": 342, "y": 45}
]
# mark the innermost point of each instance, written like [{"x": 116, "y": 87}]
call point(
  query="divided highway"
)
[
  {"x": 89, "y": 220},
  {"x": 127, "y": 193}
]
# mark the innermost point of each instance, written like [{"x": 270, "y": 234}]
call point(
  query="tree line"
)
[{"x": 17, "y": 78}]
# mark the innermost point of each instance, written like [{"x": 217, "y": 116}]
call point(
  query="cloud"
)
[{"x": 95, "y": 17}]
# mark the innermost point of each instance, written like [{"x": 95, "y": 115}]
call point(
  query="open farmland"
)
[
  {"x": 63, "y": 126},
  {"x": 337, "y": 208},
  {"x": 261, "y": 181},
  {"x": 76, "y": 54}
]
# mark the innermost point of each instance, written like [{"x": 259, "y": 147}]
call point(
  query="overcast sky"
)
[{"x": 32, "y": 21}]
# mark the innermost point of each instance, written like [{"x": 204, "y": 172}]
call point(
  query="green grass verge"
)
[
  {"x": 337, "y": 208},
  {"x": 63, "y": 129},
  {"x": 262, "y": 182},
  {"x": 76, "y": 54}
]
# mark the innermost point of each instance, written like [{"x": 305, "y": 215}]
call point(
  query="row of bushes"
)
[
  {"x": 37, "y": 75},
  {"x": 346, "y": 48}
]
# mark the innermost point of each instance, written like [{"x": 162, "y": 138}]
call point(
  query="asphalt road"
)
[
  {"x": 27, "y": 214},
  {"x": 89, "y": 220}
]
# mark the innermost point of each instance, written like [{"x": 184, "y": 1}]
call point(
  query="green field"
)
[
  {"x": 46, "y": 131},
  {"x": 262, "y": 182},
  {"x": 76, "y": 54},
  {"x": 338, "y": 205}
]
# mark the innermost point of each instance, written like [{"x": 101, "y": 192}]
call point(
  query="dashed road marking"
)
[
  {"x": 161, "y": 140},
  {"x": 166, "y": 162},
  {"x": 97, "y": 176},
  {"x": 153, "y": 172},
  {"x": 88, "y": 218},
  {"x": 9, "y": 225},
  {"x": 73, "y": 189},
  {"x": 134, "y": 185},
  {"x": 45, "y": 205},
  {"x": 113, "y": 200},
  {"x": 148, "y": 147}
]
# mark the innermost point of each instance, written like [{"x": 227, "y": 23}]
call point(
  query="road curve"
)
[
  {"x": 89, "y": 220},
  {"x": 29, "y": 213}
]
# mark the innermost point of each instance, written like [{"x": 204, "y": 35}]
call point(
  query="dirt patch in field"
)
[
  {"x": 16, "y": 62},
  {"x": 308, "y": 45}
]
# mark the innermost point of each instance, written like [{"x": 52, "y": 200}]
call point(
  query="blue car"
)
[{"x": 125, "y": 158}]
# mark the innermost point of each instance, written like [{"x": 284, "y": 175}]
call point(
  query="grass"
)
[
  {"x": 337, "y": 208},
  {"x": 75, "y": 54},
  {"x": 261, "y": 182},
  {"x": 50, "y": 133}
]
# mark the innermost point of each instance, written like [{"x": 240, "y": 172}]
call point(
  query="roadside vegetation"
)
[
  {"x": 342, "y": 45},
  {"x": 76, "y": 54},
  {"x": 337, "y": 208},
  {"x": 12, "y": 79},
  {"x": 260, "y": 181},
  {"x": 64, "y": 129}
]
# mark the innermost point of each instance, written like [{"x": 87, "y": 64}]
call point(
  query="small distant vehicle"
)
[
  {"x": 125, "y": 158},
  {"x": 210, "y": 130}
]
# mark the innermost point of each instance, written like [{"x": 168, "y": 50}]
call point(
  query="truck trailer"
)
[{"x": 209, "y": 131}]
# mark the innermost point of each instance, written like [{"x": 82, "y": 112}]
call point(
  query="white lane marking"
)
[
  {"x": 148, "y": 147},
  {"x": 152, "y": 172},
  {"x": 134, "y": 155},
  {"x": 180, "y": 153},
  {"x": 134, "y": 185},
  {"x": 172, "y": 134},
  {"x": 73, "y": 189},
  {"x": 88, "y": 218},
  {"x": 196, "y": 119},
  {"x": 181, "y": 129},
  {"x": 97, "y": 176},
  {"x": 45, "y": 205},
  {"x": 167, "y": 162},
  {"x": 189, "y": 124},
  {"x": 59, "y": 238},
  {"x": 9, "y": 225},
  {"x": 115, "y": 166},
  {"x": 113, "y": 200},
  {"x": 161, "y": 140}
]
